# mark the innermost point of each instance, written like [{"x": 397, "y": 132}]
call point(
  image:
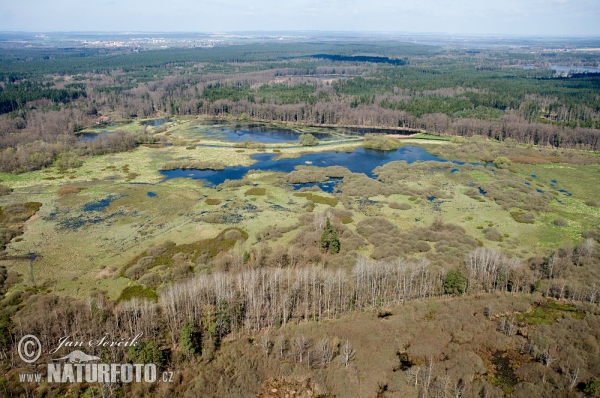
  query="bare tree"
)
[
  {"x": 324, "y": 351},
  {"x": 280, "y": 346},
  {"x": 346, "y": 353},
  {"x": 265, "y": 344}
]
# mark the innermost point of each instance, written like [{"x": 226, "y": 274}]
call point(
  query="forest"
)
[{"x": 468, "y": 268}]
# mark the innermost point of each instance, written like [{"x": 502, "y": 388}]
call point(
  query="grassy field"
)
[{"x": 123, "y": 207}]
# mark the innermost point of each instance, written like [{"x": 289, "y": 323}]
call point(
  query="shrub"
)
[
  {"x": 67, "y": 160},
  {"x": 135, "y": 272},
  {"x": 560, "y": 222},
  {"x": 422, "y": 247},
  {"x": 380, "y": 142},
  {"x": 137, "y": 291},
  {"x": 155, "y": 250},
  {"x": 68, "y": 190},
  {"x": 593, "y": 388},
  {"x": 592, "y": 203},
  {"x": 213, "y": 202},
  {"x": 5, "y": 190},
  {"x": 502, "y": 162},
  {"x": 213, "y": 218},
  {"x": 308, "y": 140},
  {"x": 521, "y": 217},
  {"x": 400, "y": 206},
  {"x": 146, "y": 262},
  {"x": 492, "y": 234},
  {"x": 256, "y": 192}
]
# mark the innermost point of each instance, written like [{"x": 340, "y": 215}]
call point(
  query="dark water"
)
[
  {"x": 83, "y": 137},
  {"x": 273, "y": 134},
  {"x": 99, "y": 205},
  {"x": 155, "y": 122},
  {"x": 360, "y": 161},
  {"x": 259, "y": 133},
  {"x": 152, "y": 194}
]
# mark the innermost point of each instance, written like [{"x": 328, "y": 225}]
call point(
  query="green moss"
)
[
  {"x": 211, "y": 247},
  {"x": 318, "y": 199},
  {"x": 137, "y": 291},
  {"x": 548, "y": 312}
]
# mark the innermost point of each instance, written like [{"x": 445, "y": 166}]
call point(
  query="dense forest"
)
[{"x": 47, "y": 96}]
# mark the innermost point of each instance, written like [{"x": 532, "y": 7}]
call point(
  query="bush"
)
[
  {"x": 400, "y": 206},
  {"x": 256, "y": 192},
  {"x": 68, "y": 190},
  {"x": 67, "y": 160},
  {"x": 137, "y": 291},
  {"x": 592, "y": 203},
  {"x": 502, "y": 162},
  {"x": 560, "y": 222},
  {"x": 5, "y": 190},
  {"x": 381, "y": 142},
  {"x": 593, "y": 388},
  {"x": 524, "y": 218},
  {"x": 213, "y": 202},
  {"x": 492, "y": 234},
  {"x": 308, "y": 140}
]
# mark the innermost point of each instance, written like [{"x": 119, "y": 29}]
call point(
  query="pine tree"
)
[
  {"x": 334, "y": 246},
  {"x": 188, "y": 346},
  {"x": 324, "y": 241}
]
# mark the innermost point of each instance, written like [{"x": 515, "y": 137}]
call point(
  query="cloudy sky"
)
[{"x": 518, "y": 17}]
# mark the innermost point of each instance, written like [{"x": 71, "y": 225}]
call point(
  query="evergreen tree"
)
[
  {"x": 455, "y": 282},
  {"x": 334, "y": 246},
  {"x": 324, "y": 241},
  {"x": 188, "y": 337}
]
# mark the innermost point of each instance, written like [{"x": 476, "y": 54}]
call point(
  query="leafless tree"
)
[{"x": 346, "y": 353}]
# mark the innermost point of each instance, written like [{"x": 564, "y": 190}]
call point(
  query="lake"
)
[
  {"x": 360, "y": 161},
  {"x": 564, "y": 70}
]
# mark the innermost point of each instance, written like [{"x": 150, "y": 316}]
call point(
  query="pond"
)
[
  {"x": 155, "y": 122},
  {"x": 253, "y": 132},
  {"x": 360, "y": 161},
  {"x": 269, "y": 134},
  {"x": 84, "y": 137}
]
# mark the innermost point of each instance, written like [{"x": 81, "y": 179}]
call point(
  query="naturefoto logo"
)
[{"x": 79, "y": 367}]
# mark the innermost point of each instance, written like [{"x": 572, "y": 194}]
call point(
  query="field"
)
[{"x": 122, "y": 207}]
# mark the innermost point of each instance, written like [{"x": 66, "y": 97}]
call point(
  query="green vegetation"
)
[
  {"x": 308, "y": 139},
  {"x": 138, "y": 292},
  {"x": 486, "y": 276},
  {"x": 455, "y": 283},
  {"x": 256, "y": 191},
  {"x": 546, "y": 313},
  {"x": 318, "y": 198}
]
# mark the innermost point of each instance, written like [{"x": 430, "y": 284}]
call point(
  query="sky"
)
[{"x": 498, "y": 17}]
